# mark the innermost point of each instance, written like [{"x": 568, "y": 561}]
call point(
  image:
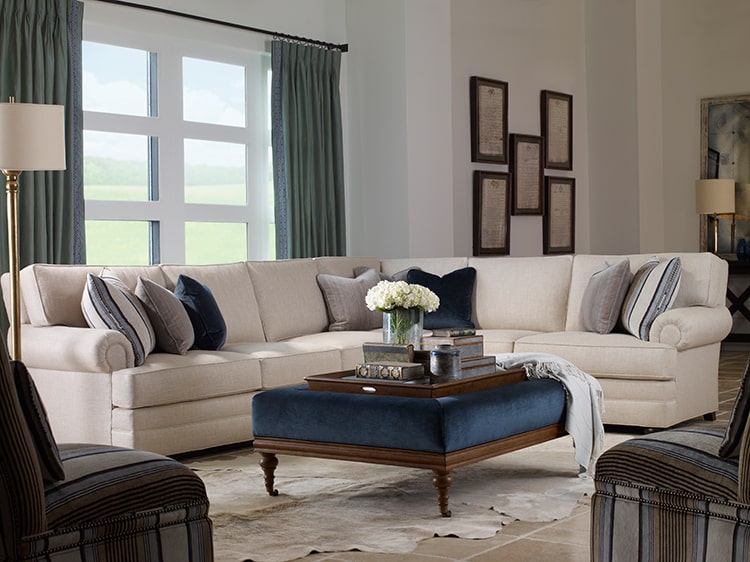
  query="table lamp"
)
[
  {"x": 714, "y": 197},
  {"x": 32, "y": 137}
]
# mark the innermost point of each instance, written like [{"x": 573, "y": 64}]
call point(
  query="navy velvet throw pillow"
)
[
  {"x": 205, "y": 315},
  {"x": 455, "y": 290}
]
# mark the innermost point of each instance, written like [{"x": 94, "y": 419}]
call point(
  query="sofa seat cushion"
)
[
  {"x": 289, "y": 362},
  {"x": 502, "y": 341},
  {"x": 166, "y": 378},
  {"x": 606, "y": 355},
  {"x": 349, "y": 344},
  {"x": 110, "y": 482},
  {"x": 435, "y": 425},
  {"x": 683, "y": 460}
]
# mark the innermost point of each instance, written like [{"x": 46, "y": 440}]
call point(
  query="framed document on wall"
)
[
  {"x": 489, "y": 120},
  {"x": 557, "y": 129},
  {"x": 559, "y": 216},
  {"x": 491, "y": 213},
  {"x": 526, "y": 153}
]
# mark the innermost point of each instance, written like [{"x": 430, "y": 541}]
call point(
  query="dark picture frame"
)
[
  {"x": 489, "y": 120},
  {"x": 527, "y": 170},
  {"x": 491, "y": 213},
  {"x": 559, "y": 233},
  {"x": 557, "y": 129}
]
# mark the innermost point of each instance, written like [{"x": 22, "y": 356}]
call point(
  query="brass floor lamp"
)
[{"x": 32, "y": 137}]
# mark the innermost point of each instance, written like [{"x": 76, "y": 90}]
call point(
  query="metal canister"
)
[{"x": 444, "y": 361}]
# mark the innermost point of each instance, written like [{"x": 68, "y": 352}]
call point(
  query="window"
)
[{"x": 176, "y": 141}]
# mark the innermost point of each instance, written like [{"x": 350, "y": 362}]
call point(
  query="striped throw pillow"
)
[
  {"x": 108, "y": 304},
  {"x": 730, "y": 445},
  {"x": 652, "y": 292},
  {"x": 36, "y": 419}
]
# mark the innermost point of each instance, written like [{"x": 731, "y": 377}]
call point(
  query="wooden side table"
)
[{"x": 738, "y": 299}]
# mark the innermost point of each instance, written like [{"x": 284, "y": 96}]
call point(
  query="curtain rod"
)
[{"x": 343, "y": 47}]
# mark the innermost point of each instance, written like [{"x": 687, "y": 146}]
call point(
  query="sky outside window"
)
[
  {"x": 115, "y": 79},
  {"x": 213, "y": 92}
]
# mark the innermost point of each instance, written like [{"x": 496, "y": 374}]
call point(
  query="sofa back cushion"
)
[
  {"x": 344, "y": 266},
  {"x": 703, "y": 280},
  {"x": 232, "y": 288},
  {"x": 436, "y": 266},
  {"x": 521, "y": 293},
  {"x": 290, "y": 301},
  {"x": 52, "y": 293}
]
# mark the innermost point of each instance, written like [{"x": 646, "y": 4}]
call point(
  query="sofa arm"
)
[
  {"x": 64, "y": 348},
  {"x": 691, "y": 326}
]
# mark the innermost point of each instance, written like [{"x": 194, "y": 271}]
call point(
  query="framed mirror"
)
[{"x": 725, "y": 154}]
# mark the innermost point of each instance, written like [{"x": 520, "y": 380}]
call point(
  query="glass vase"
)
[{"x": 403, "y": 325}]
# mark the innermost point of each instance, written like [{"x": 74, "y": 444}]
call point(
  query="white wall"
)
[
  {"x": 704, "y": 54},
  {"x": 533, "y": 46},
  {"x": 637, "y": 70}
]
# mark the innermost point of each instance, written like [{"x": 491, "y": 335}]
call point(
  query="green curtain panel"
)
[
  {"x": 40, "y": 62},
  {"x": 307, "y": 151}
]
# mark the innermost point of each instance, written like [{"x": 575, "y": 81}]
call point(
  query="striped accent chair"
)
[
  {"x": 669, "y": 496},
  {"x": 90, "y": 502}
]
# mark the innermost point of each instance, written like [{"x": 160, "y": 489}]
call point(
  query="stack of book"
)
[
  {"x": 391, "y": 362},
  {"x": 470, "y": 348},
  {"x": 404, "y": 363}
]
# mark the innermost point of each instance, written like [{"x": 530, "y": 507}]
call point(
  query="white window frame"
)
[{"x": 173, "y": 38}]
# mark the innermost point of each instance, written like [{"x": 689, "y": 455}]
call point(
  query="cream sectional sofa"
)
[{"x": 277, "y": 334}]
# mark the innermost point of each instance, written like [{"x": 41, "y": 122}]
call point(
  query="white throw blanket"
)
[{"x": 584, "y": 400}]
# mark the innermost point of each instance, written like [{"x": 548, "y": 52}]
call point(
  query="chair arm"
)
[
  {"x": 691, "y": 326},
  {"x": 65, "y": 348}
]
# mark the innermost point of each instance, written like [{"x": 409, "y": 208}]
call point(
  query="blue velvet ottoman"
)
[{"x": 439, "y": 434}]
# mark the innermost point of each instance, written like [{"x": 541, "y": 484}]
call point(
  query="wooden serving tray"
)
[{"x": 345, "y": 381}]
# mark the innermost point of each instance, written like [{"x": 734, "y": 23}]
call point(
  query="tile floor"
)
[{"x": 566, "y": 540}]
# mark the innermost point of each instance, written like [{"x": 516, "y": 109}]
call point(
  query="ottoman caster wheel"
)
[
  {"x": 273, "y": 493},
  {"x": 447, "y": 513}
]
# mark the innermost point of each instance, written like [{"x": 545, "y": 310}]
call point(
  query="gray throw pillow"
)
[
  {"x": 603, "y": 297},
  {"x": 345, "y": 300},
  {"x": 172, "y": 326},
  {"x": 38, "y": 424},
  {"x": 398, "y": 276}
]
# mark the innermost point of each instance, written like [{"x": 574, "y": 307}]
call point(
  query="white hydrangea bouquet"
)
[
  {"x": 387, "y": 295},
  {"x": 403, "y": 306}
]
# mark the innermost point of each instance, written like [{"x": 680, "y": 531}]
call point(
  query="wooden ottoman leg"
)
[
  {"x": 442, "y": 481},
  {"x": 269, "y": 462}
]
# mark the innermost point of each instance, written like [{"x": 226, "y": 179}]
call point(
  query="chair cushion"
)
[
  {"x": 682, "y": 459},
  {"x": 204, "y": 313},
  {"x": 172, "y": 326},
  {"x": 103, "y": 482},
  {"x": 603, "y": 297},
  {"x": 345, "y": 299},
  {"x": 730, "y": 445},
  {"x": 38, "y": 423},
  {"x": 455, "y": 290},
  {"x": 652, "y": 292},
  {"x": 108, "y": 304}
]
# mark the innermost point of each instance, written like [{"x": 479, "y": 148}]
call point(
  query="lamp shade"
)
[
  {"x": 32, "y": 136},
  {"x": 714, "y": 197}
]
